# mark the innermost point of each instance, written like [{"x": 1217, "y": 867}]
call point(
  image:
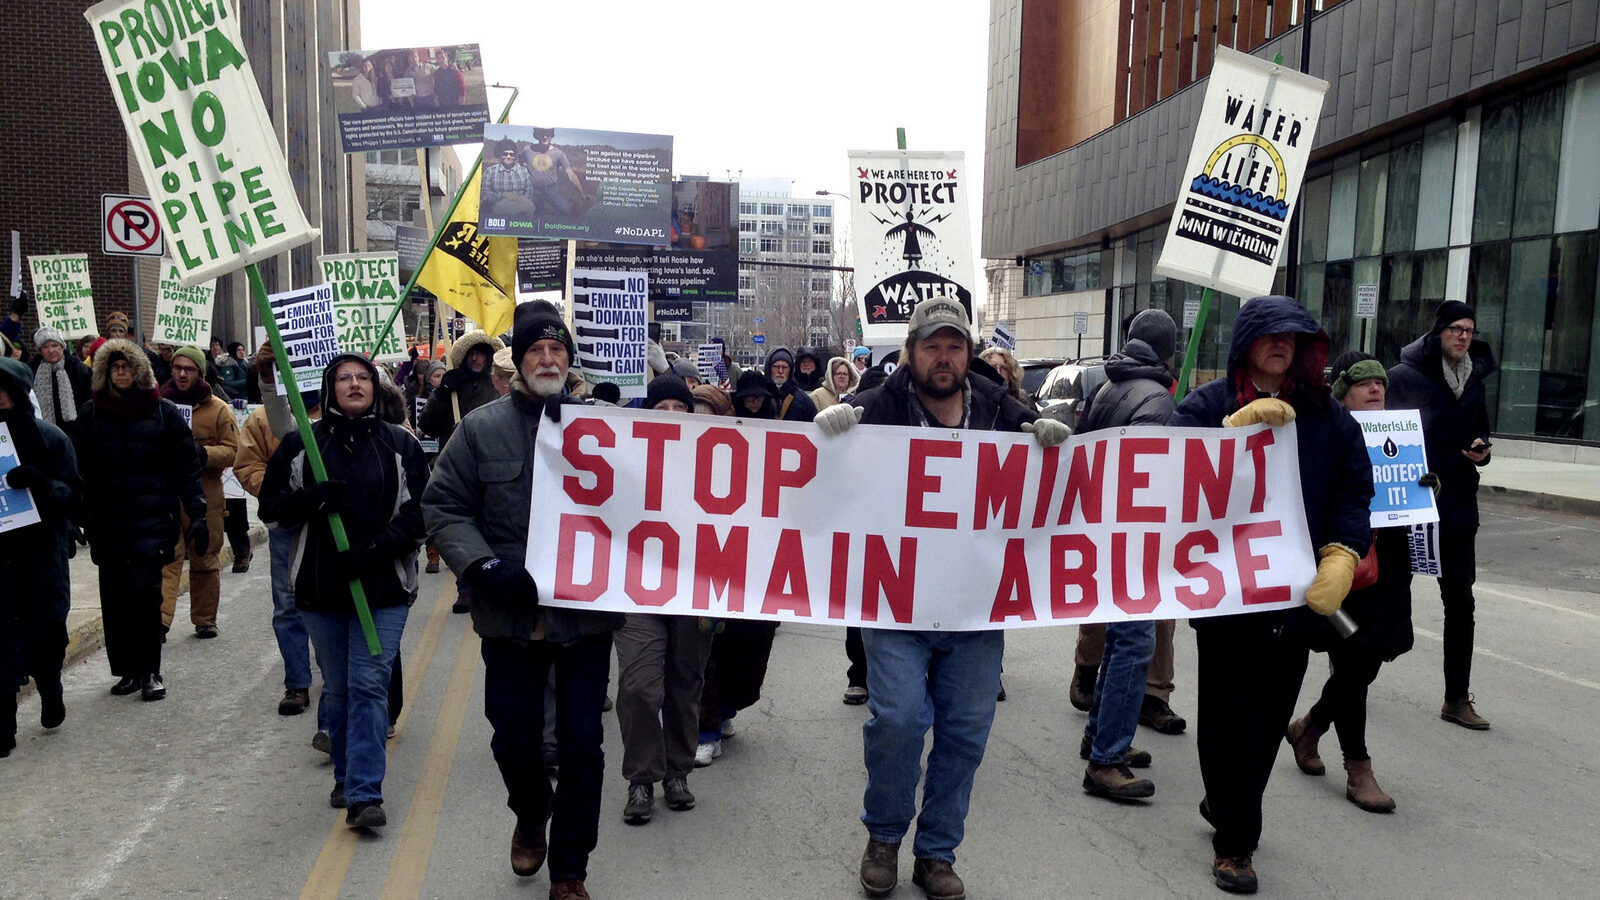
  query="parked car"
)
[
  {"x": 1066, "y": 386},
  {"x": 1034, "y": 372}
]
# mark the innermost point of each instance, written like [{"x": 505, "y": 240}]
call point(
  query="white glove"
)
[
  {"x": 839, "y": 418},
  {"x": 1048, "y": 432}
]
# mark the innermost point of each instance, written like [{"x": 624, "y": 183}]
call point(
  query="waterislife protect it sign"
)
[
  {"x": 643, "y": 511},
  {"x": 200, "y": 132},
  {"x": 183, "y": 314},
  {"x": 1394, "y": 442},
  {"x": 366, "y": 287},
  {"x": 61, "y": 293}
]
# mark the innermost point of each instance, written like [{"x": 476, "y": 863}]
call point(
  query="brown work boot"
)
[
  {"x": 1080, "y": 692},
  {"x": 1362, "y": 788},
  {"x": 527, "y": 852},
  {"x": 938, "y": 879},
  {"x": 1116, "y": 783},
  {"x": 433, "y": 560},
  {"x": 1234, "y": 874},
  {"x": 1461, "y": 712},
  {"x": 880, "y": 867},
  {"x": 1302, "y": 737},
  {"x": 568, "y": 890}
]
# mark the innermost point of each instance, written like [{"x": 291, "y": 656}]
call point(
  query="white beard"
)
[{"x": 546, "y": 387}]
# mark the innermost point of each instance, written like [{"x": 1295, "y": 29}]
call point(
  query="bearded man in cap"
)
[
  {"x": 216, "y": 439},
  {"x": 477, "y": 507}
]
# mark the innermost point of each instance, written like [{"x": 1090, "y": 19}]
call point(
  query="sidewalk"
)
[{"x": 1560, "y": 477}]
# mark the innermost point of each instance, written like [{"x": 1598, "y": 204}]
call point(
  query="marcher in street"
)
[
  {"x": 807, "y": 370},
  {"x": 1006, "y": 366},
  {"x": 375, "y": 478},
  {"x": 477, "y": 511},
  {"x": 35, "y": 588},
  {"x": 141, "y": 476},
  {"x": 1441, "y": 375},
  {"x": 793, "y": 403},
  {"x": 837, "y": 386},
  {"x": 1251, "y": 664},
  {"x": 216, "y": 437},
  {"x": 60, "y": 381},
  {"x": 1381, "y": 607},
  {"x": 948, "y": 680}
]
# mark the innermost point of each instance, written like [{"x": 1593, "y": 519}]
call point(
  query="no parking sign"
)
[{"x": 130, "y": 226}]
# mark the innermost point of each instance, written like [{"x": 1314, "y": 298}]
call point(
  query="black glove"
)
[
  {"x": 20, "y": 303},
  {"x": 356, "y": 562},
  {"x": 199, "y": 535},
  {"x": 24, "y": 477},
  {"x": 552, "y": 407},
  {"x": 455, "y": 378},
  {"x": 1430, "y": 480},
  {"x": 499, "y": 580},
  {"x": 327, "y": 497},
  {"x": 80, "y": 536},
  {"x": 200, "y": 451}
]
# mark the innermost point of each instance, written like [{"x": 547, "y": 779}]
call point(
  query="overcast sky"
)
[{"x": 762, "y": 88}]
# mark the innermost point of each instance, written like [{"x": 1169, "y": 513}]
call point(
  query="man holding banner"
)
[
  {"x": 916, "y": 678},
  {"x": 1251, "y": 664}
]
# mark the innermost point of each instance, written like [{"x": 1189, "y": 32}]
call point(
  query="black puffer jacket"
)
[
  {"x": 1449, "y": 425},
  {"x": 34, "y": 557},
  {"x": 1335, "y": 471},
  {"x": 1138, "y": 392},
  {"x": 384, "y": 473},
  {"x": 138, "y": 462},
  {"x": 992, "y": 408}
]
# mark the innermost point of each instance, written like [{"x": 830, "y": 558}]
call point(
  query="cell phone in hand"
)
[{"x": 1480, "y": 447}]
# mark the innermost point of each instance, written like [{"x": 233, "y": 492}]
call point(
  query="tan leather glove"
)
[
  {"x": 1334, "y": 576},
  {"x": 1270, "y": 410}
]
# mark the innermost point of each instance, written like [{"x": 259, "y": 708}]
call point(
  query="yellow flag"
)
[{"x": 474, "y": 273}]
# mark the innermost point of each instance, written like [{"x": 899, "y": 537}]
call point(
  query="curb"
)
[{"x": 1580, "y": 506}]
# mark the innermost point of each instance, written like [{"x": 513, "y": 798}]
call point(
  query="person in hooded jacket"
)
[
  {"x": 793, "y": 403},
  {"x": 33, "y": 558},
  {"x": 838, "y": 385},
  {"x": 808, "y": 371},
  {"x": 375, "y": 478},
  {"x": 1251, "y": 664},
  {"x": 467, "y": 385},
  {"x": 60, "y": 381},
  {"x": 141, "y": 477},
  {"x": 1441, "y": 375}
]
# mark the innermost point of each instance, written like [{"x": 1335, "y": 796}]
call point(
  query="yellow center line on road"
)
[
  {"x": 333, "y": 863},
  {"x": 410, "y": 863}
]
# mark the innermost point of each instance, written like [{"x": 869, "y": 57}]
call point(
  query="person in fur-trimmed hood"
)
[
  {"x": 216, "y": 438},
  {"x": 838, "y": 385},
  {"x": 141, "y": 475},
  {"x": 467, "y": 385}
]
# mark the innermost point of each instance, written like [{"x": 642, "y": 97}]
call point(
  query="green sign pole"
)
[
  {"x": 258, "y": 288},
  {"x": 1193, "y": 351}
]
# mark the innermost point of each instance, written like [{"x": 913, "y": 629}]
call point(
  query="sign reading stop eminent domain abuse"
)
[
  {"x": 913, "y": 528},
  {"x": 198, "y": 127}
]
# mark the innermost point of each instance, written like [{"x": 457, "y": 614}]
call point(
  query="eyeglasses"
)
[
  {"x": 121, "y": 367},
  {"x": 190, "y": 369},
  {"x": 1461, "y": 330},
  {"x": 508, "y": 155},
  {"x": 357, "y": 377}
]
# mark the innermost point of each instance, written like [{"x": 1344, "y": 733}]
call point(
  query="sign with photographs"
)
[
  {"x": 702, "y": 262},
  {"x": 541, "y": 266},
  {"x": 408, "y": 97}
]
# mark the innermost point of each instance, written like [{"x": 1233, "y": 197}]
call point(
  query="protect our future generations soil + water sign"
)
[
  {"x": 1245, "y": 171},
  {"x": 910, "y": 235},
  {"x": 200, "y": 132},
  {"x": 366, "y": 287},
  {"x": 183, "y": 314},
  {"x": 62, "y": 295}
]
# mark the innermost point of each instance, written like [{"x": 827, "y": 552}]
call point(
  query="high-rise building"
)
[{"x": 1454, "y": 159}]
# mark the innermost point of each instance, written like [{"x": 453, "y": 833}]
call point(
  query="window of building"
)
[
  {"x": 821, "y": 285},
  {"x": 771, "y": 245},
  {"x": 746, "y": 283},
  {"x": 747, "y": 245},
  {"x": 797, "y": 246},
  {"x": 747, "y": 225},
  {"x": 822, "y": 247},
  {"x": 822, "y": 212},
  {"x": 772, "y": 209},
  {"x": 747, "y": 209},
  {"x": 771, "y": 227},
  {"x": 822, "y": 228},
  {"x": 798, "y": 212}
]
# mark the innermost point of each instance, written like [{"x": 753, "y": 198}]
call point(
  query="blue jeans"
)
[
  {"x": 916, "y": 680},
  {"x": 286, "y": 624},
  {"x": 355, "y": 694},
  {"x": 1119, "y": 692}
]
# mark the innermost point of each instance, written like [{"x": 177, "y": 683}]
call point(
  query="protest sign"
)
[
  {"x": 183, "y": 314},
  {"x": 366, "y": 287},
  {"x": 472, "y": 273},
  {"x": 61, "y": 294},
  {"x": 1394, "y": 442},
  {"x": 706, "y": 358},
  {"x": 575, "y": 183},
  {"x": 640, "y": 511},
  {"x": 16, "y": 505},
  {"x": 1245, "y": 169},
  {"x": 310, "y": 337},
  {"x": 187, "y": 411},
  {"x": 408, "y": 97},
  {"x": 197, "y": 125},
  {"x": 608, "y": 323},
  {"x": 672, "y": 311},
  {"x": 909, "y": 234},
  {"x": 702, "y": 262},
  {"x": 541, "y": 266}
]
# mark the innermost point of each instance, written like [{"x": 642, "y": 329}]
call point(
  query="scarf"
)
[
  {"x": 53, "y": 389},
  {"x": 1455, "y": 377},
  {"x": 194, "y": 396}
]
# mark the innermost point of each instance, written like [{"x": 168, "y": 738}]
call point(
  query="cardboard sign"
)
[
  {"x": 183, "y": 314},
  {"x": 306, "y": 322},
  {"x": 609, "y": 311},
  {"x": 62, "y": 295},
  {"x": 366, "y": 289},
  {"x": 16, "y": 506},
  {"x": 1394, "y": 442},
  {"x": 641, "y": 511}
]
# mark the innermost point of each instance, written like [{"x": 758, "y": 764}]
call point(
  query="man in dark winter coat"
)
[
  {"x": 376, "y": 473},
  {"x": 477, "y": 511},
  {"x": 467, "y": 385},
  {"x": 1441, "y": 375},
  {"x": 36, "y": 592},
  {"x": 794, "y": 403},
  {"x": 954, "y": 675},
  {"x": 60, "y": 381},
  {"x": 1138, "y": 392},
  {"x": 1251, "y": 664},
  {"x": 140, "y": 471},
  {"x": 808, "y": 370}
]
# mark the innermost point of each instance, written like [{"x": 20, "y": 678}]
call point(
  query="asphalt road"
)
[{"x": 211, "y": 794}]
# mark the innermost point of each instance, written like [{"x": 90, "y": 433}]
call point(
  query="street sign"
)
[
  {"x": 1080, "y": 323},
  {"x": 1366, "y": 301},
  {"x": 1191, "y": 313},
  {"x": 130, "y": 226},
  {"x": 758, "y": 338}
]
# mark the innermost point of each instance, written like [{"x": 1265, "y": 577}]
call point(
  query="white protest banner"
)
[
  {"x": 183, "y": 314},
  {"x": 16, "y": 505},
  {"x": 640, "y": 511},
  {"x": 706, "y": 358},
  {"x": 1394, "y": 442},
  {"x": 61, "y": 294},
  {"x": 199, "y": 129},
  {"x": 1244, "y": 175},
  {"x": 909, "y": 234},
  {"x": 1002, "y": 336},
  {"x": 187, "y": 411},
  {"x": 305, "y": 320},
  {"x": 609, "y": 310},
  {"x": 366, "y": 286}
]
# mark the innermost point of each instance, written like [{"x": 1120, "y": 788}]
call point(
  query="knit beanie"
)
[
  {"x": 1451, "y": 311},
  {"x": 1156, "y": 328},
  {"x": 606, "y": 392},
  {"x": 1358, "y": 372},
  {"x": 117, "y": 318},
  {"x": 193, "y": 354},
  {"x": 535, "y": 321},
  {"x": 668, "y": 387},
  {"x": 45, "y": 335},
  {"x": 685, "y": 369}
]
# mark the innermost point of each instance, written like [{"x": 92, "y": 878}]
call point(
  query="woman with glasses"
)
[{"x": 375, "y": 475}]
